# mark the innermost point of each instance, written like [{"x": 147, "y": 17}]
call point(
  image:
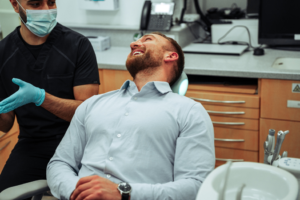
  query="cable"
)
[
  {"x": 236, "y": 42},
  {"x": 203, "y": 17}
]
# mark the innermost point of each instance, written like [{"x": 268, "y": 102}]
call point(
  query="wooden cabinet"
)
[
  {"x": 236, "y": 139},
  {"x": 7, "y": 143},
  {"x": 224, "y": 154},
  {"x": 234, "y": 111},
  {"x": 291, "y": 142},
  {"x": 112, "y": 79},
  {"x": 242, "y": 115},
  {"x": 275, "y": 114},
  {"x": 274, "y": 97}
]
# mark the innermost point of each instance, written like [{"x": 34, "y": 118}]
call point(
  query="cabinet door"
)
[
  {"x": 114, "y": 79},
  {"x": 275, "y": 95},
  {"x": 291, "y": 141}
]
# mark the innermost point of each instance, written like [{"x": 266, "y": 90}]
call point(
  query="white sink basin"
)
[
  {"x": 263, "y": 182},
  {"x": 287, "y": 63}
]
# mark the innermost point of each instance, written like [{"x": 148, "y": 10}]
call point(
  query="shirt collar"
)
[{"x": 162, "y": 87}]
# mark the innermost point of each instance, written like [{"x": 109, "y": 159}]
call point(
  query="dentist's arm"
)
[
  {"x": 62, "y": 108},
  {"x": 7, "y": 121},
  {"x": 65, "y": 108}
]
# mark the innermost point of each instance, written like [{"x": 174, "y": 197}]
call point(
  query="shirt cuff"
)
[{"x": 141, "y": 191}]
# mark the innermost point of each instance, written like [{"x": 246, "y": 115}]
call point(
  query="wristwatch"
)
[{"x": 125, "y": 190}]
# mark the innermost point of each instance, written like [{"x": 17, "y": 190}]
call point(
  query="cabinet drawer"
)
[
  {"x": 274, "y": 97},
  {"x": 223, "y": 154},
  {"x": 235, "y": 123},
  {"x": 291, "y": 141},
  {"x": 6, "y": 146},
  {"x": 241, "y": 89},
  {"x": 236, "y": 139},
  {"x": 251, "y": 113},
  {"x": 225, "y": 99}
]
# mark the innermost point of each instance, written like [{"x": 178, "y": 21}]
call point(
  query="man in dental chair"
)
[{"x": 141, "y": 142}]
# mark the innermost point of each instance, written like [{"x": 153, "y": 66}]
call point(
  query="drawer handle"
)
[
  {"x": 225, "y": 113},
  {"x": 216, "y": 101},
  {"x": 5, "y": 145},
  {"x": 233, "y": 160},
  {"x": 229, "y": 140},
  {"x": 229, "y": 123}
]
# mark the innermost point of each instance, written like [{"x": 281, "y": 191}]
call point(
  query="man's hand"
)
[
  {"x": 27, "y": 93},
  {"x": 96, "y": 188}
]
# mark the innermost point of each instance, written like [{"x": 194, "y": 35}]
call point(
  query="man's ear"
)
[
  {"x": 171, "y": 56},
  {"x": 15, "y": 6}
]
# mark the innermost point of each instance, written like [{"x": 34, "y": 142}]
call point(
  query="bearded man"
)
[{"x": 139, "y": 142}]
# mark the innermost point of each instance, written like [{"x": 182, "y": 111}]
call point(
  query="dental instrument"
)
[{"x": 280, "y": 139}]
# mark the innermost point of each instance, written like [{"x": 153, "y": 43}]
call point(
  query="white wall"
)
[
  {"x": 207, "y": 4},
  {"x": 128, "y": 14}
]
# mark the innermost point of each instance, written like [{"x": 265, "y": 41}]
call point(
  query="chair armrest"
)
[{"x": 25, "y": 190}]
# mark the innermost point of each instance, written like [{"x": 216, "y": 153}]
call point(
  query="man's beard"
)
[{"x": 145, "y": 63}]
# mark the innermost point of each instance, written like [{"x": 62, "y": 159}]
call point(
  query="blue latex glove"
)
[{"x": 27, "y": 93}]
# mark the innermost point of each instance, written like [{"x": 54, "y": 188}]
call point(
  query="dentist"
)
[{"x": 46, "y": 72}]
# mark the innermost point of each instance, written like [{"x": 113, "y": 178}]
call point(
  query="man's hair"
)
[{"x": 179, "y": 66}]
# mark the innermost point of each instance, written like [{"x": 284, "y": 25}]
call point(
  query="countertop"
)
[{"x": 247, "y": 65}]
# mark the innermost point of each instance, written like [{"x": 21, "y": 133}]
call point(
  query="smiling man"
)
[
  {"x": 46, "y": 72},
  {"x": 142, "y": 142}
]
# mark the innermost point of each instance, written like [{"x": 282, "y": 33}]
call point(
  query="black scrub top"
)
[{"x": 65, "y": 60}]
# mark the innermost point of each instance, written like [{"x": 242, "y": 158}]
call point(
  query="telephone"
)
[{"x": 157, "y": 16}]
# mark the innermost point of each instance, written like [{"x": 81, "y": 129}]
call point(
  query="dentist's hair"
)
[{"x": 179, "y": 65}]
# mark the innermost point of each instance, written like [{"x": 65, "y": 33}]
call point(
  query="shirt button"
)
[
  {"x": 126, "y": 114},
  {"x": 111, "y": 158},
  {"x": 119, "y": 135},
  {"x": 108, "y": 175}
]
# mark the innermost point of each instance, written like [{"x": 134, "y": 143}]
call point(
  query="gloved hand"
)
[{"x": 27, "y": 93}]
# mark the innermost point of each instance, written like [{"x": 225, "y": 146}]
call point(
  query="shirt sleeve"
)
[
  {"x": 86, "y": 66},
  {"x": 63, "y": 168},
  {"x": 194, "y": 160}
]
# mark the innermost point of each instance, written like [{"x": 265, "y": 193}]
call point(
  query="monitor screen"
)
[{"x": 279, "y": 22}]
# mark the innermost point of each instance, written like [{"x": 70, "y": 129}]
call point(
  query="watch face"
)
[{"x": 125, "y": 187}]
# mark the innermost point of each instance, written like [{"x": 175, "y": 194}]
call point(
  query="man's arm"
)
[
  {"x": 63, "y": 168},
  {"x": 65, "y": 108},
  {"x": 194, "y": 160},
  {"x": 7, "y": 121}
]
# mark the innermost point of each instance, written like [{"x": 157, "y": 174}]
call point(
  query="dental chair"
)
[{"x": 36, "y": 189}]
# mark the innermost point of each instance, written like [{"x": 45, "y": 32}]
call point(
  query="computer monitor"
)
[{"x": 279, "y": 23}]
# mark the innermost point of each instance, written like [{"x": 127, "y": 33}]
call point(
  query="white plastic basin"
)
[
  {"x": 287, "y": 63},
  {"x": 263, "y": 182}
]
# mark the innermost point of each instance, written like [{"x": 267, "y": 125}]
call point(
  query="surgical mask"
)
[{"x": 40, "y": 22}]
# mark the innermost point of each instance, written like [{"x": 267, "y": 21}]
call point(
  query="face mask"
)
[{"x": 40, "y": 22}]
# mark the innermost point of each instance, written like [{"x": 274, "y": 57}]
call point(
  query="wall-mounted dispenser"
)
[{"x": 105, "y": 5}]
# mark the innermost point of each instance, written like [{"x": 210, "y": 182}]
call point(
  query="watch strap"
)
[{"x": 125, "y": 196}]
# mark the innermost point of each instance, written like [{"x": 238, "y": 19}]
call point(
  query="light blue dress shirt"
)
[{"x": 159, "y": 142}]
